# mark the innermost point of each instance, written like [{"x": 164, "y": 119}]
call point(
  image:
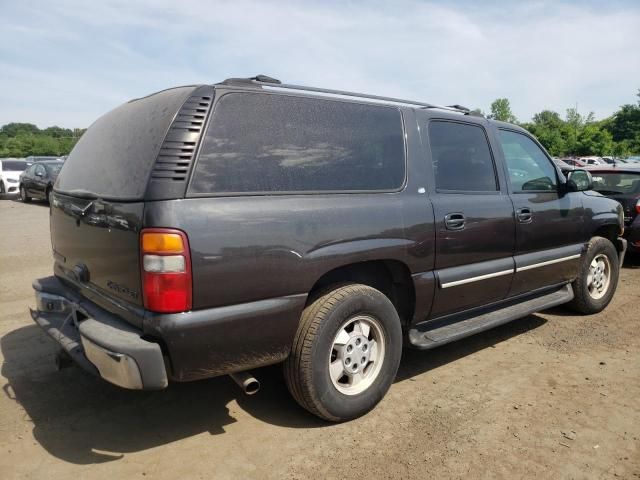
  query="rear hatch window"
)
[
  {"x": 621, "y": 186},
  {"x": 13, "y": 166},
  {"x": 114, "y": 157}
]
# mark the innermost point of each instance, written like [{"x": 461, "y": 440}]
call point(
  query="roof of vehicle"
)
[
  {"x": 510, "y": 126},
  {"x": 42, "y": 158},
  {"x": 50, "y": 162},
  {"x": 266, "y": 83}
]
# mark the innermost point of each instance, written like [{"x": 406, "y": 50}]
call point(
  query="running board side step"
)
[{"x": 432, "y": 335}]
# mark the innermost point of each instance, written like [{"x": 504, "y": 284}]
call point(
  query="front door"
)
[
  {"x": 549, "y": 224},
  {"x": 38, "y": 181},
  {"x": 475, "y": 228}
]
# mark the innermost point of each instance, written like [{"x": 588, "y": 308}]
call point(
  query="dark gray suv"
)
[{"x": 213, "y": 229}]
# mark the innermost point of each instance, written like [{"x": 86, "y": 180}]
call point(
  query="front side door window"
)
[{"x": 529, "y": 168}]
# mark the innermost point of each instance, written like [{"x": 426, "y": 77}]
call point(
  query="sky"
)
[{"x": 66, "y": 62}]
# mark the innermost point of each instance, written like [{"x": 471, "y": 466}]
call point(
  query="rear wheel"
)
[
  {"x": 598, "y": 278},
  {"x": 23, "y": 195},
  {"x": 48, "y": 195},
  {"x": 346, "y": 352}
]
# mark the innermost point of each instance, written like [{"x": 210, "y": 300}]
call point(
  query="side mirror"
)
[{"x": 579, "y": 180}]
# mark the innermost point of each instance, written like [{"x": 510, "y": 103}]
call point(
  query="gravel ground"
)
[{"x": 550, "y": 396}]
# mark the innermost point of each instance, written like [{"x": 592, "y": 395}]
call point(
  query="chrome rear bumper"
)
[{"x": 97, "y": 340}]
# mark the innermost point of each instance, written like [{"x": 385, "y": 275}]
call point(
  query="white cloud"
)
[{"x": 67, "y": 62}]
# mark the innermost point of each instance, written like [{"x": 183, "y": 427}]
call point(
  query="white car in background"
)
[
  {"x": 10, "y": 170},
  {"x": 592, "y": 161}
]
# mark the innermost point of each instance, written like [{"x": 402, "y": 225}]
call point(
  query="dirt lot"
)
[{"x": 550, "y": 396}]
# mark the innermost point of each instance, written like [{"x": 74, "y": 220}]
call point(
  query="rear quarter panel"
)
[{"x": 257, "y": 247}]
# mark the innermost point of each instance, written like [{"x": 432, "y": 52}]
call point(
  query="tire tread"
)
[{"x": 299, "y": 365}]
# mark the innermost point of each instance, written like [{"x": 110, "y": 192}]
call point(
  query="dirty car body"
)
[{"x": 262, "y": 226}]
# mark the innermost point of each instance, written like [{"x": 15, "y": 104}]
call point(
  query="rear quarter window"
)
[{"x": 260, "y": 143}]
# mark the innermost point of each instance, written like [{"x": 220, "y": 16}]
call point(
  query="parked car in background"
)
[
  {"x": 34, "y": 159},
  {"x": 574, "y": 162},
  {"x": 10, "y": 170},
  {"x": 209, "y": 230},
  {"x": 564, "y": 166},
  {"x": 592, "y": 161},
  {"x": 38, "y": 179},
  {"x": 623, "y": 185}
]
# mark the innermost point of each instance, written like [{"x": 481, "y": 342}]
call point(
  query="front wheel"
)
[
  {"x": 23, "y": 195},
  {"x": 346, "y": 352},
  {"x": 598, "y": 277}
]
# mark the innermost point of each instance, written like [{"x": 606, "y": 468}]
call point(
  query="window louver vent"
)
[{"x": 179, "y": 147}]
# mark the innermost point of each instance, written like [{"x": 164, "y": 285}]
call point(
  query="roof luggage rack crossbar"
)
[{"x": 272, "y": 83}]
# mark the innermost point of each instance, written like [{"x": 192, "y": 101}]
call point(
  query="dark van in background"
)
[{"x": 209, "y": 230}]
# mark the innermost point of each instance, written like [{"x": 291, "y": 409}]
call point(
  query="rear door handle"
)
[
  {"x": 524, "y": 215},
  {"x": 454, "y": 221}
]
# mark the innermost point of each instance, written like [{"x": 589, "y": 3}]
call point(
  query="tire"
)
[
  {"x": 319, "y": 352},
  {"x": 23, "y": 195},
  {"x": 2, "y": 189},
  {"x": 48, "y": 195},
  {"x": 594, "y": 289}
]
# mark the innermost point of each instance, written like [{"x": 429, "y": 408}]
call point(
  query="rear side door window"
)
[
  {"x": 529, "y": 168},
  {"x": 262, "y": 143},
  {"x": 461, "y": 157}
]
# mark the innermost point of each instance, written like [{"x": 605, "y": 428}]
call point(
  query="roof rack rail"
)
[{"x": 266, "y": 81}]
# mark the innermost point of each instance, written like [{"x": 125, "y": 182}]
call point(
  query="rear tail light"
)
[
  {"x": 166, "y": 270},
  {"x": 638, "y": 206}
]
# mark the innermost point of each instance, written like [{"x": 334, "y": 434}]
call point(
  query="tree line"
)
[
  {"x": 24, "y": 139},
  {"x": 580, "y": 135},
  {"x": 571, "y": 135}
]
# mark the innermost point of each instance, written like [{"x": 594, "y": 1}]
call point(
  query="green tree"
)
[
  {"x": 14, "y": 129},
  {"x": 549, "y": 128},
  {"x": 594, "y": 140},
  {"x": 24, "y": 139},
  {"x": 501, "y": 110}
]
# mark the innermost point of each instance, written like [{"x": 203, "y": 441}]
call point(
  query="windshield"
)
[
  {"x": 13, "y": 166},
  {"x": 612, "y": 183}
]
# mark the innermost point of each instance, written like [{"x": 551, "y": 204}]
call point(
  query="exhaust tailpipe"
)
[{"x": 247, "y": 382}]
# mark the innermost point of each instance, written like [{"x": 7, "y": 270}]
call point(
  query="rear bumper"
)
[
  {"x": 632, "y": 236},
  {"x": 98, "y": 341}
]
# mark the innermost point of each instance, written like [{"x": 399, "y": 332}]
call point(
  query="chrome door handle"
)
[
  {"x": 454, "y": 221},
  {"x": 524, "y": 215}
]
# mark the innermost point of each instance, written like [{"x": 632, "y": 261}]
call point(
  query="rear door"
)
[
  {"x": 473, "y": 213},
  {"x": 549, "y": 224}
]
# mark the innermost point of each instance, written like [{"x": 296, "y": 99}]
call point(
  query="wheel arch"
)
[
  {"x": 611, "y": 233},
  {"x": 389, "y": 276}
]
